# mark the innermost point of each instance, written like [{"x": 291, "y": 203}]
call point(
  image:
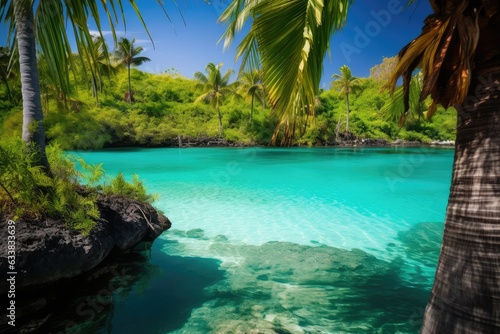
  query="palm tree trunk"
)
[
  {"x": 220, "y": 121},
  {"x": 347, "y": 113},
  {"x": 129, "y": 85},
  {"x": 466, "y": 293},
  {"x": 33, "y": 130},
  {"x": 251, "y": 110}
]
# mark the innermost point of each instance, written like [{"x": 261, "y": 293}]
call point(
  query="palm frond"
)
[
  {"x": 291, "y": 38},
  {"x": 444, "y": 51},
  {"x": 394, "y": 109},
  {"x": 56, "y": 20}
]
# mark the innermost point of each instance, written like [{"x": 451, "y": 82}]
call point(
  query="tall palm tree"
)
[
  {"x": 345, "y": 83},
  {"x": 216, "y": 87},
  {"x": 459, "y": 54},
  {"x": 49, "y": 29},
  {"x": 251, "y": 85},
  {"x": 128, "y": 54}
]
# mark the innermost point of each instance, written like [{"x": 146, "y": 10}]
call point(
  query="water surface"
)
[{"x": 265, "y": 240}]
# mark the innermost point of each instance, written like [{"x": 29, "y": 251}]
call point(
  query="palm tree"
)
[
  {"x": 345, "y": 83},
  {"x": 49, "y": 29},
  {"x": 216, "y": 87},
  {"x": 458, "y": 52},
  {"x": 251, "y": 85},
  {"x": 100, "y": 65},
  {"x": 128, "y": 55}
]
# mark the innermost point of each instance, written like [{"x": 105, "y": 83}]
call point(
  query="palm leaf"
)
[
  {"x": 291, "y": 38},
  {"x": 444, "y": 51},
  {"x": 394, "y": 109},
  {"x": 54, "y": 20}
]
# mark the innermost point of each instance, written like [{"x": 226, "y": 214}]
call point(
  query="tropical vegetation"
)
[
  {"x": 28, "y": 193},
  {"x": 215, "y": 87},
  {"x": 168, "y": 106},
  {"x": 127, "y": 54},
  {"x": 251, "y": 85},
  {"x": 30, "y": 188},
  {"x": 345, "y": 83},
  {"x": 457, "y": 54},
  {"x": 48, "y": 31}
]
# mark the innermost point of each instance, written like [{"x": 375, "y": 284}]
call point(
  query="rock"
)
[
  {"x": 46, "y": 251},
  {"x": 443, "y": 143},
  {"x": 407, "y": 143},
  {"x": 373, "y": 142},
  {"x": 130, "y": 222}
]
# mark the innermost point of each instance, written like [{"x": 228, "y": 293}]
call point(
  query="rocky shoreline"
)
[
  {"x": 50, "y": 257},
  {"x": 204, "y": 141}
]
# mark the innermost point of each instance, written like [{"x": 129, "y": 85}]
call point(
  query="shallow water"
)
[{"x": 266, "y": 240}]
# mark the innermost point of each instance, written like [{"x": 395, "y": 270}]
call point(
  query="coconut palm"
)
[
  {"x": 216, "y": 87},
  {"x": 251, "y": 85},
  {"x": 458, "y": 52},
  {"x": 127, "y": 54},
  {"x": 345, "y": 83},
  {"x": 49, "y": 29}
]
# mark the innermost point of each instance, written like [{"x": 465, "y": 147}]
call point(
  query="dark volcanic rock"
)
[
  {"x": 130, "y": 222},
  {"x": 47, "y": 251}
]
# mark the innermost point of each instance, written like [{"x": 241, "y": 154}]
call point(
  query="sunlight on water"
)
[{"x": 306, "y": 240}]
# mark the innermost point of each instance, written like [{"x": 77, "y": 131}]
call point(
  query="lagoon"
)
[{"x": 271, "y": 240}]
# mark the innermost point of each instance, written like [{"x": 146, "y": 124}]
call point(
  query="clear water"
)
[{"x": 264, "y": 240}]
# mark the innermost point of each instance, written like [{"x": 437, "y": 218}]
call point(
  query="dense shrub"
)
[{"x": 27, "y": 192}]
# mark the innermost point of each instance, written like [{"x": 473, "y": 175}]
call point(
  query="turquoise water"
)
[{"x": 285, "y": 240}]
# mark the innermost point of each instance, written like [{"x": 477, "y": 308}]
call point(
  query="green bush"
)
[
  {"x": 135, "y": 190},
  {"x": 27, "y": 192}
]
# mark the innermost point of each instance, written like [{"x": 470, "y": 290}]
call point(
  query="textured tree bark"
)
[
  {"x": 33, "y": 130},
  {"x": 466, "y": 293}
]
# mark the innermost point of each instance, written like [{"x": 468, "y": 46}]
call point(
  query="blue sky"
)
[{"x": 375, "y": 29}]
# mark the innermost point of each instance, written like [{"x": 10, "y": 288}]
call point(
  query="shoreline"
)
[{"x": 213, "y": 142}]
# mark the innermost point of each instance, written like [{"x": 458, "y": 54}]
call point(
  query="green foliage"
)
[
  {"x": 135, "y": 190},
  {"x": 27, "y": 192},
  {"x": 166, "y": 107}
]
